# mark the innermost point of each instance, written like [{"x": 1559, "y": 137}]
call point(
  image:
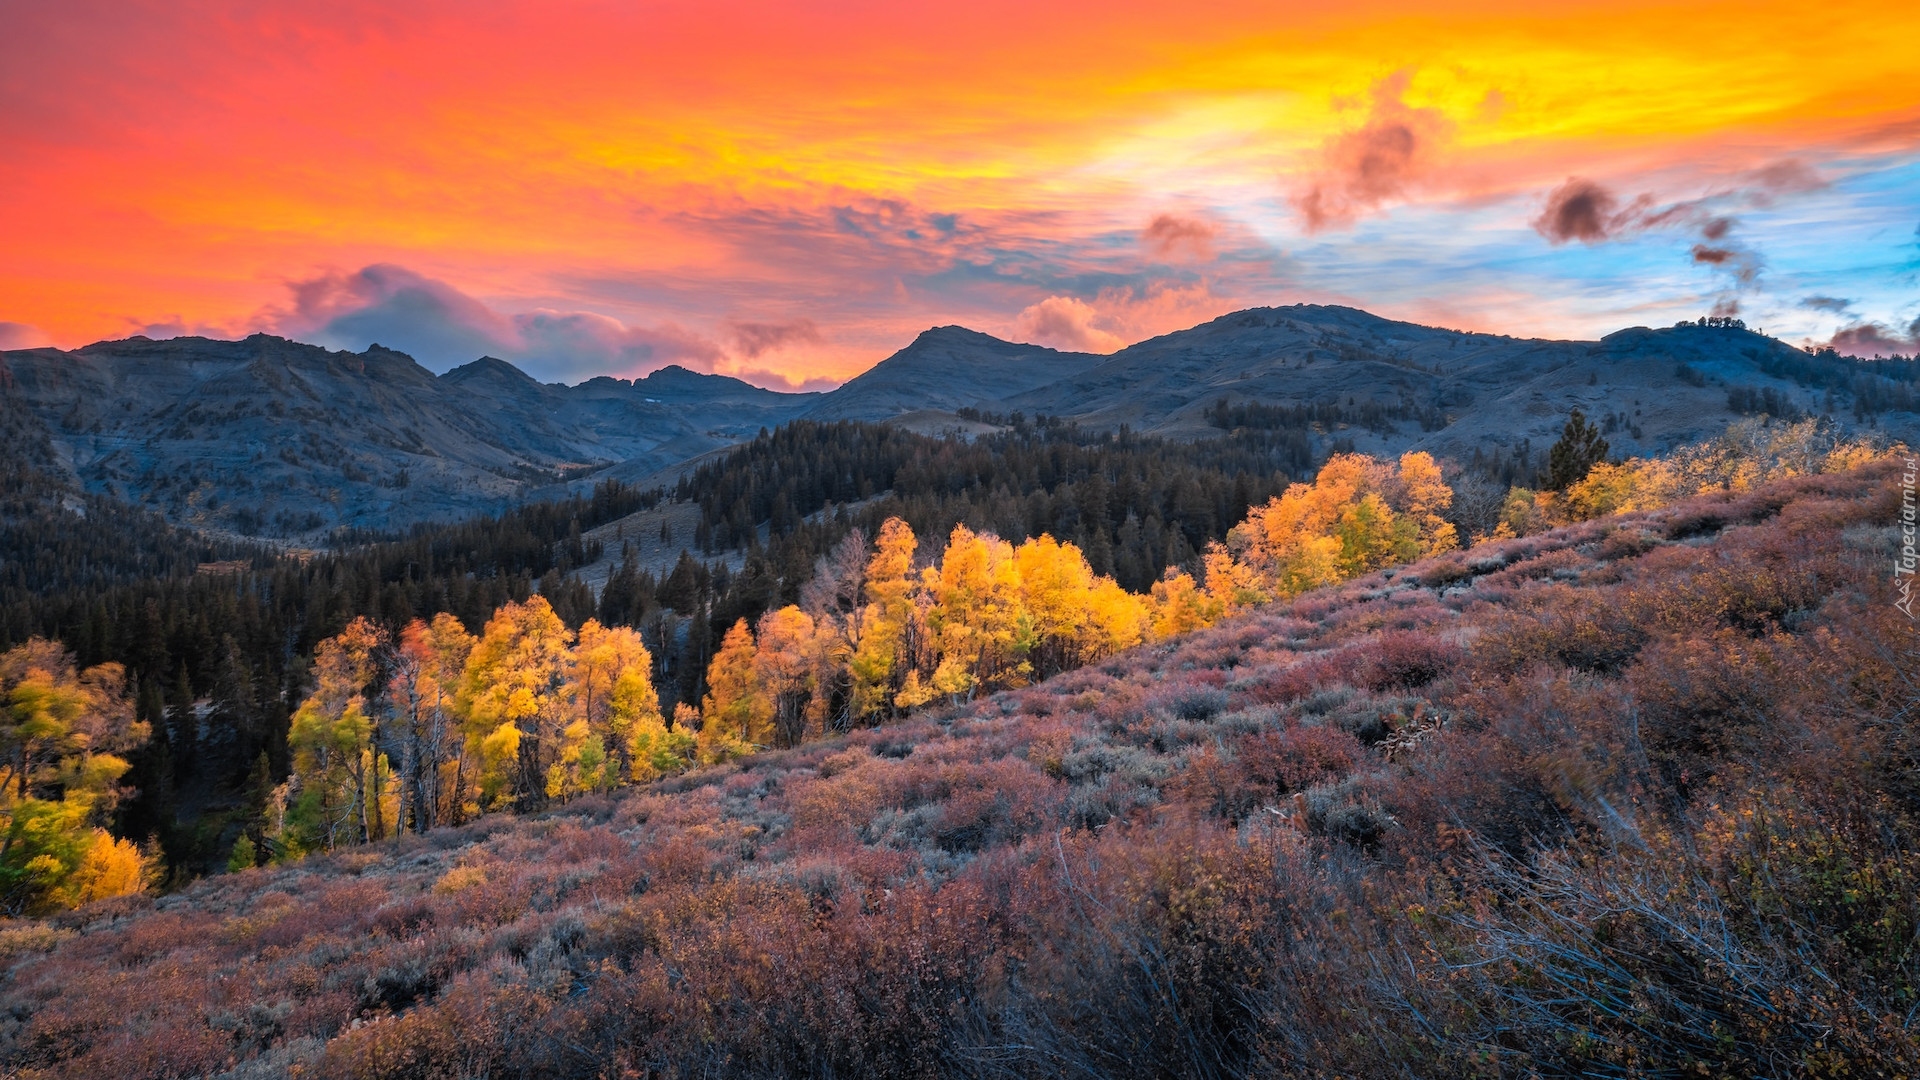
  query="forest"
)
[
  {"x": 217, "y": 638},
  {"x": 412, "y": 720}
]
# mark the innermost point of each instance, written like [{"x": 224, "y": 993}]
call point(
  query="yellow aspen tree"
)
[
  {"x": 649, "y": 746},
  {"x": 1232, "y": 586},
  {"x": 423, "y": 686},
  {"x": 1368, "y": 536},
  {"x": 1056, "y": 585},
  {"x": 1117, "y": 620},
  {"x": 339, "y": 771},
  {"x": 1178, "y": 606},
  {"x": 878, "y": 667},
  {"x": 1425, "y": 496},
  {"x": 610, "y": 687},
  {"x": 735, "y": 716},
  {"x": 62, "y": 731},
  {"x": 513, "y": 692},
  {"x": 975, "y": 617},
  {"x": 784, "y": 670}
]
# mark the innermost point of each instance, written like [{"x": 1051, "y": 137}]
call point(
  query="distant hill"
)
[
  {"x": 271, "y": 437},
  {"x": 1469, "y": 391},
  {"x": 949, "y": 368}
]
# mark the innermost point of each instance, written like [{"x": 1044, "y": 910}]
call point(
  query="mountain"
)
[
  {"x": 272, "y": 437},
  {"x": 1471, "y": 391},
  {"x": 949, "y": 368}
]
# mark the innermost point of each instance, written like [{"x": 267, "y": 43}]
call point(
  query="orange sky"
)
[{"x": 790, "y": 191}]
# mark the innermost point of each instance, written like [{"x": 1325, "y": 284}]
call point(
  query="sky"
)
[{"x": 789, "y": 192}]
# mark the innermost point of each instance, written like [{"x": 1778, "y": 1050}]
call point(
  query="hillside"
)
[
  {"x": 1632, "y": 797},
  {"x": 269, "y": 437},
  {"x": 946, "y": 369},
  {"x": 266, "y": 437}
]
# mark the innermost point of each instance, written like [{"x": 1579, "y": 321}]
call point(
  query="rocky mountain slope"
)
[
  {"x": 1470, "y": 391},
  {"x": 271, "y": 437},
  {"x": 949, "y": 368}
]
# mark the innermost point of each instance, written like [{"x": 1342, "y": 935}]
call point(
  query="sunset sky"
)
[{"x": 789, "y": 192}]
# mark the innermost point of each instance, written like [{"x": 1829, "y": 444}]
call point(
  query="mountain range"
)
[{"x": 270, "y": 437}]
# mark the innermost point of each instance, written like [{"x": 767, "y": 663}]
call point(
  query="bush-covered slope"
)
[{"x": 1632, "y": 797}]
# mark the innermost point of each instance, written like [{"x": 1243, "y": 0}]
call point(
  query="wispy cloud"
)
[{"x": 15, "y": 335}]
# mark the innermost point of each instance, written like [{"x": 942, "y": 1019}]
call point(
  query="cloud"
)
[
  {"x": 441, "y": 326},
  {"x": 1587, "y": 211},
  {"x": 1382, "y": 160},
  {"x": 1579, "y": 210},
  {"x": 1066, "y": 322},
  {"x": 1833, "y": 304},
  {"x": 15, "y": 335},
  {"x": 781, "y": 380},
  {"x": 1876, "y": 339},
  {"x": 396, "y": 307},
  {"x": 1790, "y": 176},
  {"x": 1169, "y": 236},
  {"x": 1120, "y": 315},
  {"x": 754, "y": 338}
]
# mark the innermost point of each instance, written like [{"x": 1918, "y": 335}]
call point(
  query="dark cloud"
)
[
  {"x": 1713, "y": 256},
  {"x": 1833, "y": 304},
  {"x": 1169, "y": 235},
  {"x": 1397, "y": 148},
  {"x": 1584, "y": 210},
  {"x": 396, "y": 307},
  {"x": 1579, "y": 210},
  {"x": 753, "y": 338},
  {"x": 441, "y": 327},
  {"x": 1876, "y": 339}
]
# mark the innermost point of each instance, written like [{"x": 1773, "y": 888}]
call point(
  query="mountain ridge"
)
[{"x": 267, "y": 436}]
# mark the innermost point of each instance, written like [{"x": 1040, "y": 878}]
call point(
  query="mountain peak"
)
[{"x": 490, "y": 369}]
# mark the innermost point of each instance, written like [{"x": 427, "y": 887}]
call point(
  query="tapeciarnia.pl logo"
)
[{"x": 1904, "y": 566}]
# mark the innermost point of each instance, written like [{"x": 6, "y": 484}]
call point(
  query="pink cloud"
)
[
  {"x": 1396, "y": 150},
  {"x": 1170, "y": 236},
  {"x": 1066, "y": 322},
  {"x": 15, "y": 335},
  {"x": 442, "y": 326}
]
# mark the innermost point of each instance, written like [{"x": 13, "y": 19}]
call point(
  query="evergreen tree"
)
[{"x": 1580, "y": 448}]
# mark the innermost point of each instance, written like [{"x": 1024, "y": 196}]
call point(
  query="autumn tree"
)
[
  {"x": 1357, "y": 516},
  {"x": 616, "y": 720},
  {"x": 884, "y": 637},
  {"x": 62, "y": 733},
  {"x": 735, "y": 716},
  {"x": 341, "y": 774},
  {"x": 784, "y": 670},
  {"x": 513, "y": 692},
  {"x": 423, "y": 687},
  {"x": 977, "y": 616}
]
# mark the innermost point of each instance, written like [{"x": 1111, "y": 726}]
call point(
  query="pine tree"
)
[{"x": 1579, "y": 449}]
